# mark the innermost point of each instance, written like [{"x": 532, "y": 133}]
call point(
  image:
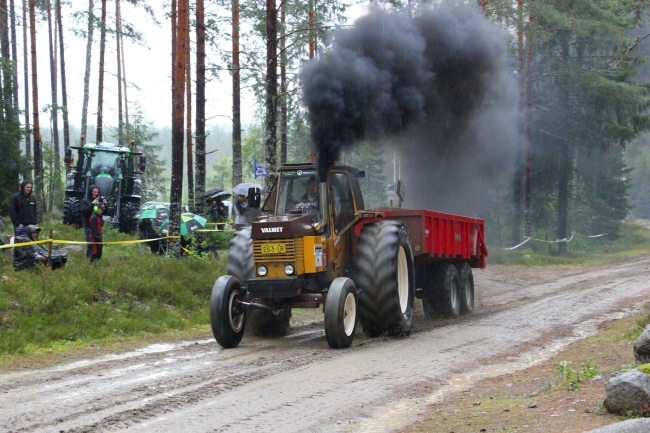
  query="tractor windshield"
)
[
  {"x": 298, "y": 192},
  {"x": 105, "y": 163}
]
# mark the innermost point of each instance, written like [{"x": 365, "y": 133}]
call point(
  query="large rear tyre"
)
[
  {"x": 128, "y": 223},
  {"x": 71, "y": 211},
  {"x": 386, "y": 279},
  {"x": 341, "y": 313},
  {"x": 242, "y": 266},
  {"x": 227, "y": 316},
  {"x": 466, "y": 284}
]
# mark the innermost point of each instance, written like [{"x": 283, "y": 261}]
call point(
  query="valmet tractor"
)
[
  {"x": 359, "y": 265},
  {"x": 113, "y": 170}
]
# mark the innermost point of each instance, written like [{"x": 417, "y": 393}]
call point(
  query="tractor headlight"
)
[
  {"x": 289, "y": 270},
  {"x": 262, "y": 271}
]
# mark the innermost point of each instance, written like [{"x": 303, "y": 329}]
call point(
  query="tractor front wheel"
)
[
  {"x": 71, "y": 211},
  {"x": 341, "y": 313},
  {"x": 227, "y": 315},
  {"x": 128, "y": 223}
]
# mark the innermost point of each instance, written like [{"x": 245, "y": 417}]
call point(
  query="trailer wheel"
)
[
  {"x": 227, "y": 317},
  {"x": 341, "y": 313},
  {"x": 386, "y": 279},
  {"x": 447, "y": 291},
  {"x": 466, "y": 284}
]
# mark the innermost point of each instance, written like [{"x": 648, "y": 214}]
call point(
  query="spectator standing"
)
[
  {"x": 95, "y": 224},
  {"x": 22, "y": 209},
  {"x": 86, "y": 207},
  {"x": 240, "y": 211}
]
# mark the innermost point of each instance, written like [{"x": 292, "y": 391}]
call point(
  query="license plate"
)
[{"x": 274, "y": 248}]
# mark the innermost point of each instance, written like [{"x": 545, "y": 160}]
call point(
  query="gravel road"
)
[{"x": 298, "y": 384}]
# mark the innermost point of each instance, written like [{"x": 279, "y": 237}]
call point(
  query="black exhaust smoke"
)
[{"x": 425, "y": 86}]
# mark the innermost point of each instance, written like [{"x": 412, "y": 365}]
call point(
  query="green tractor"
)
[{"x": 112, "y": 169}]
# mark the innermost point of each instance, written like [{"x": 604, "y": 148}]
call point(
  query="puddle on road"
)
[{"x": 405, "y": 412}]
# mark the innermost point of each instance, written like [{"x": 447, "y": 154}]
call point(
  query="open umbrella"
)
[
  {"x": 189, "y": 223},
  {"x": 156, "y": 212},
  {"x": 222, "y": 195},
  {"x": 212, "y": 191},
  {"x": 242, "y": 188}
]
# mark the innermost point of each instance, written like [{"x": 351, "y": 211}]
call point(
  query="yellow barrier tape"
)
[{"x": 24, "y": 244}]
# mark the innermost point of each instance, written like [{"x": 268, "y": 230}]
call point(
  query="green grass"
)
[
  {"x": 634, "y": 240},
  {"x": 127, "y": 293}
]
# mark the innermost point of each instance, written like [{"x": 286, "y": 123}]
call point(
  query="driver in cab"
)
[{"x": 309, "y": 201}]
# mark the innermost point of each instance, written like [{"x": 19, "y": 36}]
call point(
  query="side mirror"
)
[
  {"x": 254, "y": 197},
  {"x": 143, "y": 163},
  {"x": 67, "y": 158},
  {"x": 361, "y": 173}
]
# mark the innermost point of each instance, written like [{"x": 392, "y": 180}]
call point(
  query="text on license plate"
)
[{"x": 274, "y": 248}]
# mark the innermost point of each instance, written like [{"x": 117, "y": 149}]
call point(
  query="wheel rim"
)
[
  {"x": 468, "y": 294},
  {"x": 236, "y": 321},
  {"x": 454, "y": 293},
  {"x": 402, "y": 280},
  {"x": 349, "y": 314}
]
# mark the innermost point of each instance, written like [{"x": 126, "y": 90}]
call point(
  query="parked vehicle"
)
[
  {"x": 113, "y": 170},
  {"x": 361, "y": 265}
]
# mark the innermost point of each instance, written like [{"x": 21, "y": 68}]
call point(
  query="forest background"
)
[{"x": 581, "y": 163}]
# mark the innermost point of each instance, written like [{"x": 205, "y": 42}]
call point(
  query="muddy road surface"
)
[{"x": 298, "y": 384}]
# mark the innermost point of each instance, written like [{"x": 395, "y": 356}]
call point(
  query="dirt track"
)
[{"x": 298, "y": 384}]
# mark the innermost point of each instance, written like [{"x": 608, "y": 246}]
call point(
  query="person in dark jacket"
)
[
  {"x": 26, "y": 257},
  {"x": 95, "y": 224},
  {"x": 148, "y": 232},
  {"x": 86, "y": 207},
  {"x": 22, "y": 209}
]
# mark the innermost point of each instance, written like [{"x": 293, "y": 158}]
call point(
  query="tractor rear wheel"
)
[
  {"x": 242, "y": 266},
  {"x": 128, "y": 224},
  {"x": 466, "y": 284},
  {"x": 341, "y": 313},
  {"x": 71, "y": 211},
  {"x": 227, "y": 316},
  {"x": 385, "y": 278}
]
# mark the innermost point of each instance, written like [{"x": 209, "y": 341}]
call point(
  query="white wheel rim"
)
[
  {"x": 454, "y": 293},
  {"x": 236, "y": 322},
  {"x": 468, "y": 294},
  {"x": 402, "y": 280},
  {"x": 349, "y": 314}
]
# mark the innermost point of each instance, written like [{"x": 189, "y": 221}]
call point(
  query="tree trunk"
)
[
  {"x": 564, "y": 164},
  {"x": 7, "y": 75},
  {"x": 528, "y": 204},
  {"x": 271, "y": 92},
  {"x": 14, "y": 58},
  {"x": 188, "y": 130},
  {"x": 28, "y": 137},
  {"x": 89, "y": 49},
  {"x": 283, "y": 88},
  {"x": 56, "y": 173},
  {"x": 100, "y": 92},
  {"x": 126, "y": 99},
  {"x": 178, "y": 110},
  {"x": 200, "y": 111},
  {"x": 38, "y": 149},
  {"x": 236, "y": 98},
  {"x": 519, "y": 163},
  {"x": 64, "y": 86},
  {"x": 310, "y": 25},
  {"x": 118, "y": 40}
]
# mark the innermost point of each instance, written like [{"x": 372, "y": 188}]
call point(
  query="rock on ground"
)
[
  {"x": 628, "y": 392},
  {"x": 642, "y": 347},
  {"x": 639, "y": 425}
]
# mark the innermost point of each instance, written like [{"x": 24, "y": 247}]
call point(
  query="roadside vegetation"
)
[
  {"x": 632, "y": 240},
  {"x": 127, "y": 293}
]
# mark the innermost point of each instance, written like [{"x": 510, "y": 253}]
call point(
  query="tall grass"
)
[{"x": 126, "y": 293}]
